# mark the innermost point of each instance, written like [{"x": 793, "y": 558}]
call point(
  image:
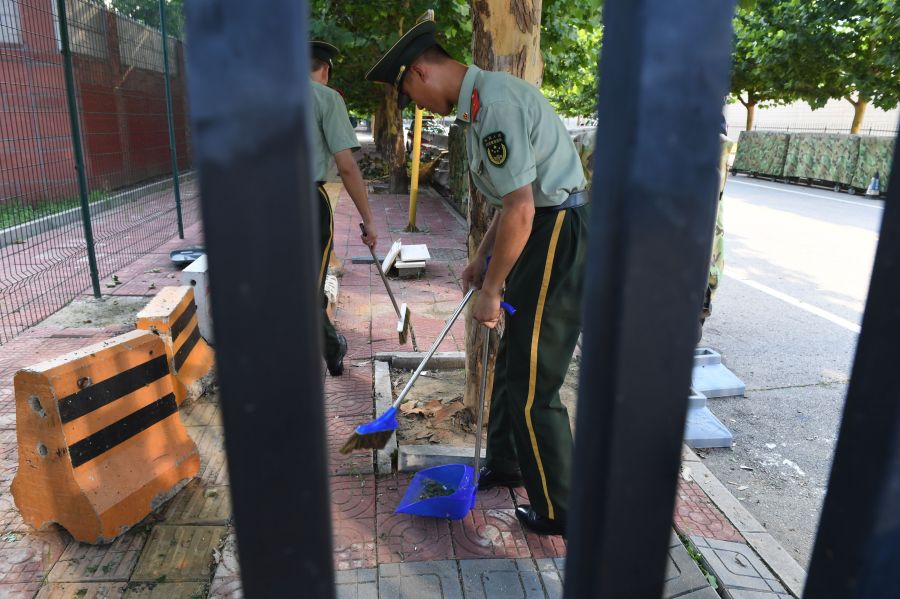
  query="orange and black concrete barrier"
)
[
  {"x": 172, "y": 314},
  {"x": 100, "y": 441}
]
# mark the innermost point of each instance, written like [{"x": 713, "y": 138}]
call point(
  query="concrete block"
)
[
  {"x": 391, "y": 257},
  {"x": 196, "y": 274},
  {"x": 410, "y": 360},
  {"x": 99, "y": 438},
  {"x": 703, "y": 430},
  {"x": 412, "y": 458},
  {"x": 383, "y": 401},
  {"x": 172, "y": 314},
  {"x": 712, "y": 378},
  {"x": 414, "y": 253}
]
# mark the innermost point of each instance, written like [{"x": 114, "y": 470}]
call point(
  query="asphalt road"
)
[{"x": 786, "y": 320}]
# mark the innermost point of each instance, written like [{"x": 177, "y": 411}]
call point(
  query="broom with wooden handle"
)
[{"x": 404, "y": 323}]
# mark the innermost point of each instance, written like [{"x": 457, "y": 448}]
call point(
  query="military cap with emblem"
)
[
  {"x": 392, "y": 66},
  {"x": 323, "y": 51}
]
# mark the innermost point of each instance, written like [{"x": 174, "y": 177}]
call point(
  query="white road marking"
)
[
  {"x": 793, "y": 301},
  {"x": 804, "y": 193}
]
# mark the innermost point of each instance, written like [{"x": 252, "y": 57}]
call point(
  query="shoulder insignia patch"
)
[{"x": 497, "y": 151}]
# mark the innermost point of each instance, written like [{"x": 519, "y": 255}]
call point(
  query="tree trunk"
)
[
  {"x": 389, "y": 139},
  {"x": 859, "y": 111},
  {"x": 751, "y": 115},
  {"x": 506, "y": 36},
  {"x": 459, "y": 169}
]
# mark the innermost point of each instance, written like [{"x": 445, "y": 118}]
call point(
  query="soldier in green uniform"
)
[
  {"x": 334, "y": 139},
  {"x": 522, "y": 158}
]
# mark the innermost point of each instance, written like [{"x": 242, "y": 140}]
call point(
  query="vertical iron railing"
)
[
  {"x": 857, "y": 549},
  {"x": 664, "y": 75},
  {"x": 249, "y": 110},
  {"x": 77, "y": 146},
  {"x": 170, "y": 118}
]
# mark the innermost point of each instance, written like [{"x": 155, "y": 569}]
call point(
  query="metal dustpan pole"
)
[{"x": 485, "y": 353}]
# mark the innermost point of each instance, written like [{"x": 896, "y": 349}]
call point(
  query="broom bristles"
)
[{"x": 371, "y": 441}]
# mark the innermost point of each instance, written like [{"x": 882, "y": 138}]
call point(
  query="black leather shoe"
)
[
  {"x": 488, "y": 479},
  {"x": 336, "y": 363},
  {"x": 536, "y": 523}
]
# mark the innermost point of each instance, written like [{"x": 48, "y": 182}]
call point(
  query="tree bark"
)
[
  {"x": 389, "y": 139},
  {"x": 751, "y": 115},
  {"x": 859, "y": 111},
  {"x": 459, "y": 169},
  {"x": 506, "y": 36}
]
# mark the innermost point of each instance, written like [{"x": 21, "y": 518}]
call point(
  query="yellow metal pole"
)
[{"x": 416, "y": 156}]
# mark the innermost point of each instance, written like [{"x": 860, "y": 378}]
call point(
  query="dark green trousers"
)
[
  {"x": 529, "y": 426},
  {"x": 326, "y": 241}
]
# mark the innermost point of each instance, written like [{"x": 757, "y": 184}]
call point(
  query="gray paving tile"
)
[
  {"x": 501, "y": 579},
  {"x": 437, "y": 580},
  {"x": 357, "y": 584},
  {"x": 683, "y": 576},
  {"x": 738, "y": 568},
  {"x": 551, "y": 576},
  {"x": 738, "y": 594}
]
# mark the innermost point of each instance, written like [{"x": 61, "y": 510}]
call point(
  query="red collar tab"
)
[{"x": 476, "y": 103}]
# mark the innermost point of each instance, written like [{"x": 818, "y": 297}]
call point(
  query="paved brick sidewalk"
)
[{"x": 376, "y": 552}]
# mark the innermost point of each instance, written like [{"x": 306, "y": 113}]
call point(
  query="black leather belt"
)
[{"x": 575, "y": 199}]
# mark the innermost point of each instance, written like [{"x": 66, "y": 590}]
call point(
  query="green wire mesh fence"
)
[{"x": 108, "y": 118}]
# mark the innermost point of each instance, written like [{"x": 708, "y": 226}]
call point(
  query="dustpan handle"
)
[
  {"x": 485, "y": 352},
  {"x": 433, "y": 349}
]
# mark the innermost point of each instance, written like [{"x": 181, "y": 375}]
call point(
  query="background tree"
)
[
  {"x": 839, "y": 49},
  {"x": 571, "y": 36},
  {"x": 757, "y": 72},
  {"x": 364, "y": 31},
  {"x": 147, "y": 12}
]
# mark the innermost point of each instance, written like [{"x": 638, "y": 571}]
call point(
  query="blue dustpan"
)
[
  {"x": 426, "y": 496},
  {"x": 422, "y": 497}
]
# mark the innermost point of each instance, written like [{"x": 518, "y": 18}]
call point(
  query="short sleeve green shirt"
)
[
  {"x": 515, "y": 138},
  {"x": 332, "y": 131}
]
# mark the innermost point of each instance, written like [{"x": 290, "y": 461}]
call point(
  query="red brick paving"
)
[
  {"x": 695, "y": 514},
  {"x": 489, "y": 534}
]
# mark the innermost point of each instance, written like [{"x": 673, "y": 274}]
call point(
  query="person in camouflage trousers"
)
[{"x": 717, "y": 260}]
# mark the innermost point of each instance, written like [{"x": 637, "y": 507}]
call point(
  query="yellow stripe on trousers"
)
[
  {"x": 535, "y": 337},
  {"x": 324, "y": 197}
]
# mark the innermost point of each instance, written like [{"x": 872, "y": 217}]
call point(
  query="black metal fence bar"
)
[
  {"x": 857, "y": 550},
  {"x": 170, "y": 120},
  {"x": 665, "y": 72},
  {"x": 250, "y": 96},
  {"x": 77, "y": 146}
]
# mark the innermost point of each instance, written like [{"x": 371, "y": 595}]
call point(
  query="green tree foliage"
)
[
  {"x": 571, "y": 35},
  {"x": 757, "y": 71},
  {"x": 363, "y": 30},
  {"x": 819, "y": 50},
  {"x": 147, "y": 12}
]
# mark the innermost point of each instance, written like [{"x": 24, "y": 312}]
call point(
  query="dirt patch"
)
[
  {"x": 99, "y": 313},
  {"x": 434, "y": 412}
]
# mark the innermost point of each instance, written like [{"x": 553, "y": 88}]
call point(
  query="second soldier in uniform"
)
[
  {"x": 522, "y": 159},
  {"x": 334, "y": 138}
]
